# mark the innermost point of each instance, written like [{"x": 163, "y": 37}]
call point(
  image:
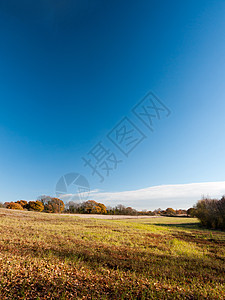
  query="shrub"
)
[{"x": 211, "y": 213}]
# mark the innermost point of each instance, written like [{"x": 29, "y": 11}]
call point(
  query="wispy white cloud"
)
[{"x": 176, "y": 195}]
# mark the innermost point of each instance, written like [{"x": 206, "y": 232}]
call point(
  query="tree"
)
[
  {"x": 157, "y": 211},
  {"x": 13, "y": 205},
  {"x": 35, "y": 205},
  {"x": 52, "y": 205},
  {"x": 221, "y": 210},
  {"x": 93, "y": 207},
  {"x": 72, "y": 207},
  {"x": 103, "y": 208},
  {"x": 191, "y": 212},
  {"x": 170, "y": 211},
  {"x": 120, "y": 209},
  {"x": 130, "y": 211},
  {"x": 23, "y": 203}
]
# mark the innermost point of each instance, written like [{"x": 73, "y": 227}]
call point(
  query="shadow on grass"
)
[
  {"x": 96, "y": 255},
  {"x": 196, "y": 226},
  {"x": 179, "y": 225}
]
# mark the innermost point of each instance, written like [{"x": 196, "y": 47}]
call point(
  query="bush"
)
[
  {"x": 13, "y": 205},
  {"x": 211, "y": 213}
]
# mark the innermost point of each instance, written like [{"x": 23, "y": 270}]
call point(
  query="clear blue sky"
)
[{"x": 71, "y": 70}]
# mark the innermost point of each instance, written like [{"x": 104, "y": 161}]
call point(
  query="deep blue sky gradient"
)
[{"x": 70, "y": 70}]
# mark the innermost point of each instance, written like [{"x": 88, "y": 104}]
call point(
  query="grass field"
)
[{"x": 46, "y": 256}]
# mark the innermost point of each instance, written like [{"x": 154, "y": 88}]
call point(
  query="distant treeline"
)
[
  {"x": 93, "y": 207},
  {"x": 55, "y": 205},
  {"x": 210, "y": 212},
  {"x": 43, "y": 203}
]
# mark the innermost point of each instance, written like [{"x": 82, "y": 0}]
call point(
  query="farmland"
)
[{"x": 49, "y": 256}]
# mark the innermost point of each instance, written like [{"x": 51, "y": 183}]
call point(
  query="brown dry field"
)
[
  {"x": 50, "y": 256},
  {"x": 111, "y": 217}
]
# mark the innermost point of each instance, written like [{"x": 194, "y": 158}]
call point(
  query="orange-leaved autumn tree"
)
[
  {"x": 170, "y": 211},
  {"x": 35, "y": 205},
  {"x": 13, "y": 205},
  {"x": 23, "y": 203},
  {"x": 93, "y": 207},
  {"x": 52, "y": 205}
]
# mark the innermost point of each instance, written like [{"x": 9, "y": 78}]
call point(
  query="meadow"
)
[{"x": 49, "y": 256}]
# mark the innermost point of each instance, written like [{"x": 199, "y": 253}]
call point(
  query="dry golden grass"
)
[{"x": 65, "y": 257}]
